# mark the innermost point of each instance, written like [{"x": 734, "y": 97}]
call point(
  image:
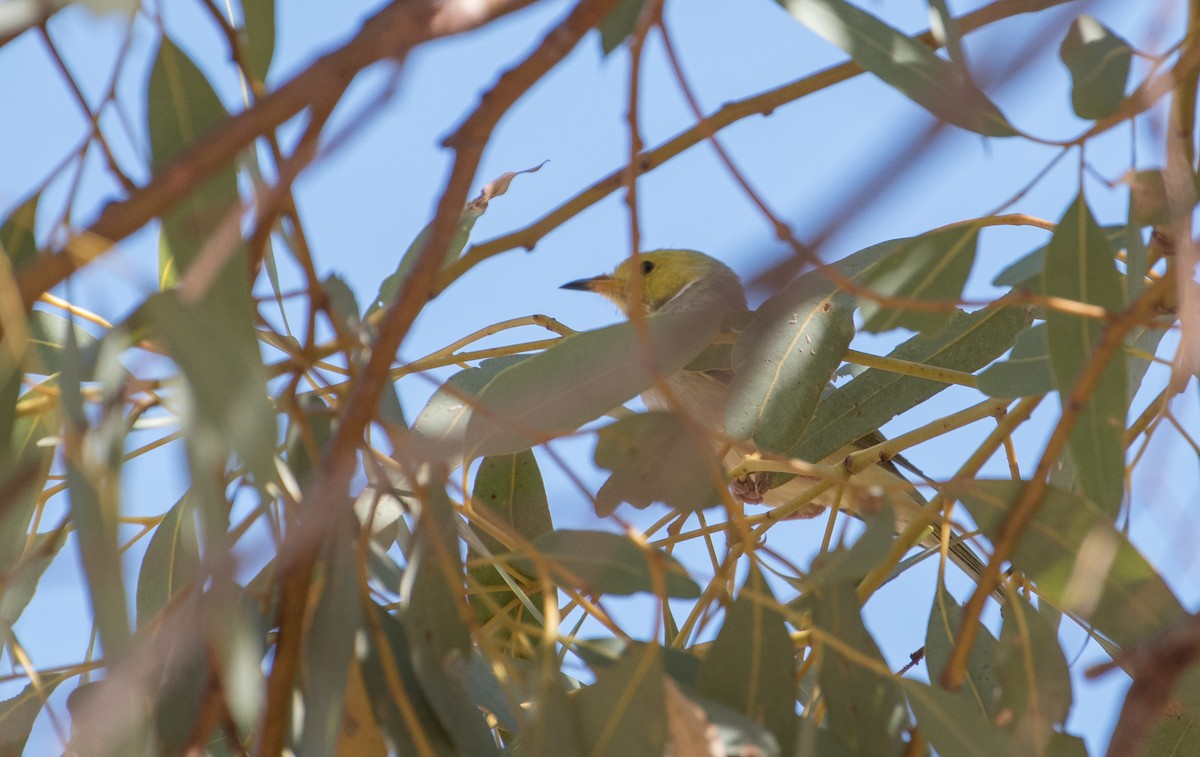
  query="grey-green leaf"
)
[
  {"x": 18, "y": 713},
  {"x": 751, "y": 665},
  {"x": 903, "y": 63},
  {"x": 953, "y": 724},
  {"x": 1099, "y": 63},
  {"x": 783, "y": 361},
  {"x": 580, "y": 378},
  {"x": 17, "y": 233},
  {"x": 606, "y": 563},
  {"x": 981, "y": 687},
  {"x": 1035, "y": 682},
  {"x": 931, "y": 267},
  {"x": 171, "y": 561},
  {"x": 1025, "y": 373},
  {"x": 619, "y": 24},
  {"x": 657, "y": 457},
  {"x": 1079, "y": 266},
  {"x": 258, "y": 41},
  {"x": 624, "y": 714},
  {"x": 967, "y": 343}
]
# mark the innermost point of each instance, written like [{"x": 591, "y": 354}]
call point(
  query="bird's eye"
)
[{"x": 647, "y": 266}]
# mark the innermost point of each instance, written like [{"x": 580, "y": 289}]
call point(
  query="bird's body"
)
[{"x": 685, "y": 280}]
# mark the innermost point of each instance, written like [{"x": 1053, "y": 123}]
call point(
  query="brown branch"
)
[
  {"x": 1022, "y": 513},
  {"x": 761, "y": 104},
  {"x": 328, "y": 491},
  {"x": 391, "y": 33}
]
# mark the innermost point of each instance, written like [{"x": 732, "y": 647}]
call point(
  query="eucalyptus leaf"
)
[
  {"x": 784, "y": 360},
  {"x": 171, "y": 561},
  {"x": 905, "y": 64},
  {"x": 931, "y": 267},
  {"x": 656, "y": 457},
  {"x": 953, "y": 724},
  {"x": 1099, "y": 62},
  {"x": 604, "y": 563},
  {"x": 750, "y": 668},
  {"x": 1035, "y": 682},
  {"x": 624, "y": 714},
  {"x": 17, "y": 233},
  {"x": 1079, "y": 266}
]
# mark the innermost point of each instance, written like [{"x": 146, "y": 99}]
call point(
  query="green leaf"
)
[
  {"x": 389, "y": 659},
  {"x": 96, "y": 526},
  {"x": 1174, "y": 735},
  {"x": 24, "y": 467},
  {"x": 1026, "y": 272},
  {"x": 932, "y": 267},
  {"x": 551, "y": 728},
  {"x": 953, "y": 723},
  {"x": 624, "y": 713},
  {"x": 171, "y": 562},
  {"x": 903, "y": 63},
  {"x": 750, "y": 668},
  {"x": 603, "y": 563},
  {"x": 1035, "y": 682},
  {"x": 17, "y": 233},
  {"x": 656, "y": 457},
  {"x": 1079, "y": 266},
  {"x": 981, "y": 687},
  {"x": 784, "y": 360},
  {"x": 619, "y": 24},
  {"x": 182, "y": 108},
  {"x": 1025, "y": 373},
  {"x": 1099, "y": 64},
  {"x": 238, "y": 647},
  {"x": 329, "y": 651},
  {"x": 509, "y": 489},
  {"x": 865, "y": 710},
  {"x": 18, "y": 714},
  {"x": 48, "y": 337},
  {"x": 442, "y": 423},
  {"x": 226, "y": 381},
  {"x": 580, "y": 378},
  {"x": 440, "y": 643},
  {"x": 21, "y": 581},
  {"x": 967, "y": 343},
  {"x": 258, "y": 35},
  {"x": 307, "y": 436}
]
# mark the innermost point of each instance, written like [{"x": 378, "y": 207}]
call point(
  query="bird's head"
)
[{"x": 671, "y": 280}]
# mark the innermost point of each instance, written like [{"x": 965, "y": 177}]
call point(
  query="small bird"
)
[{"x": 686, "y": 280}]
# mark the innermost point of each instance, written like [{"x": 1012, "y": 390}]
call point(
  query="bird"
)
[{"x": 680, "y": 281}]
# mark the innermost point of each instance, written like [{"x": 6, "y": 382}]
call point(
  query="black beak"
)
[{"x": 588, "y": 285}]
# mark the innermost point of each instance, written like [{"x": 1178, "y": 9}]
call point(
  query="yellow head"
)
[{"x": 671, "y": 280}]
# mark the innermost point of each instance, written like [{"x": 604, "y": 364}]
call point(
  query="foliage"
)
[{"x": 418, "y": 594}]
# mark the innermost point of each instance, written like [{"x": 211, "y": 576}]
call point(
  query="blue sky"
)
[{"x": 363, "y": 202}]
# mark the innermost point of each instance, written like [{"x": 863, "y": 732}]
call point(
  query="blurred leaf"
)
[
  {"x": 619, "y": 24},
  {"x": 981, "y": 687},
  {"x": 580, "y": 378},
  {"x": 485, "y": 691},
  {"x": 24, "y": 466},
  {"x": 389, "y": 290},
  {"x": 930, "y": 267},
  {"x": 1143, "y": 340},
  {"x": 1026, "y": 272},
  {"x": 307, "y": 436},
  {"x": 1026, "y": 372},
  {"x": 1065, "y": 745},
  {"x": 851, "y": 564},
  {"x": 656, "y": 457},
  {"x": 864, "y": 709},
  {"x": 16, "y": 234},
  {"x": 1035, "y": 682},
  {"x": 551, "y": 728},
  {"x": 1099, "y": 64},
  {"x": 1175, "y": 735},
  {"x": 903, "y": 63},
  {"x": 969, "y": 342},
  {"x": 603, "y": 563},
  {"x": 1079, "y": 266},
  {"x": 342, "y": 302},
  {"x": 18, "y": 714},
  {"x": 171, "y": 561},
  {"x": 953, "y": 724},
  {"x": 96, "y": 526},
  {"x": 440, "y": 643},
  {"x": 329, "y": 651},
  {"x": 238, "y": 647},
  {"x": 359, "y": 734},
  {"x": 182, "y": 108},
  {"x": 47, "y": 336},
  {"x": 751, "y": 666},
  {"x": 624, "y": 713},
  {"x": 1082, "y": 564},
  {"x": 230, "y": 408},
  {"x": 20, "y": 583},
  {"x": 784, "y": 360},
  {"x": 258, "y": 36},
  {"x": 735, "y": 733},
  {"x": 389, "y": 661},
  {"x": 1149, "y": 204}
]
